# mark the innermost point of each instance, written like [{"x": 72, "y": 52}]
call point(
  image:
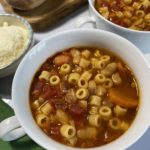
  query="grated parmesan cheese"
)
[{"x": 13, "y": 40}]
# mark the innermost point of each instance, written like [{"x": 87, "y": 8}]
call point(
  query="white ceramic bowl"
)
[
  {"x": 48, "y": 47},
  {"x": 139, "y": 38},
  {"x": 21, "y": 22}
]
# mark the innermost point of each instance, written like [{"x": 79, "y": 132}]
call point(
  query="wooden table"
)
[{"x": 47, "y": 14}]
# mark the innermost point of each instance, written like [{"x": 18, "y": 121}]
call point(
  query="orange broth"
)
[{"x": 77, "y": 115}]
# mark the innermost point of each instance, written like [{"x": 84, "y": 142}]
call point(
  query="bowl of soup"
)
[
  {"x": 128, "y": 18},
  {"x": 127, "y": 13},
  {"x": 80, "y": 89},
  {"x": 84, "y": 97}
]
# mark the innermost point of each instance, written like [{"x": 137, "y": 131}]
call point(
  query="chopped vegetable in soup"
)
[
  {"x": 133, "y": 14},
  {"x": 84, "y": 97}
]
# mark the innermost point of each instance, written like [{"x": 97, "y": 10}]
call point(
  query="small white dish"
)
[{"x": 12, "y": 19}]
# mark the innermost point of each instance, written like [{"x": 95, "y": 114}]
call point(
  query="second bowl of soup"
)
[{"x": 128, "y": 18}]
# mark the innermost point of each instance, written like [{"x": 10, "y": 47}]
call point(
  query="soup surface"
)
[
  {"x": 84, "y": 97},
  {"x": 133, "y": 14}
]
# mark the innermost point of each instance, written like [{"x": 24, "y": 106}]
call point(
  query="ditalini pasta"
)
[
  {"x": 44, "y": 75},
  {"x": 65, "y": 69},
  {"x": 54, "y": 80},
  {"x": 67, "y": 131},
  {"x": 127, "y": 13},
  {"x": 84, "y": 97}
]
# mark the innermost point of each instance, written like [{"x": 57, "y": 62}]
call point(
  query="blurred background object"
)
[
  {"x": 25, "y": 4},
  {"x": 15, "y": 40},
  {"x": 46, "y": 14}
]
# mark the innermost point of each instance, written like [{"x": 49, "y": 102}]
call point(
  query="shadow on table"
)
[
  {"x": 5, "y": 86},
  {"x": 25, "y": 143},
  {"x": 66, "y": 19}
]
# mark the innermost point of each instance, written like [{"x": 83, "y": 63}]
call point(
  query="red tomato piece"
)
[
  {"x": 75, "y": 109},
  {"x": 54, "y": 130},
  {"x": 37, "y": 88},
  {"x": 62, "y": 59},
  {"x": 38, "y": 85},
  {"x": 61, "y": 105},
  {"x": 47, "y": 92}
]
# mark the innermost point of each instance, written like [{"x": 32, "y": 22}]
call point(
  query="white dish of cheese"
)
[
  {"x": 13, "y": 40},
  {"x": 16, "y": 38}
]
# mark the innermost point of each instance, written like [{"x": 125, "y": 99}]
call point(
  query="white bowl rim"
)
[{"x": 113, "y": 24}]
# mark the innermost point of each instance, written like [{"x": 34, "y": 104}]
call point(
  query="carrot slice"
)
[{"x": 121, "y": 99}]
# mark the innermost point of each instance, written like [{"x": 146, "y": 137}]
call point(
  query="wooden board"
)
[{"x": 47, "y": 14}]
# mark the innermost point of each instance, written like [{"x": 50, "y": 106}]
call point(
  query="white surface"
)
[{"x": 69, "y": 23}]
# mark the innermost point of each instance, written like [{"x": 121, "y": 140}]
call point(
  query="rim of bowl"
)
[
  {"x": 113, "y": 24},
  {"x": 30, "y": 33}
]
